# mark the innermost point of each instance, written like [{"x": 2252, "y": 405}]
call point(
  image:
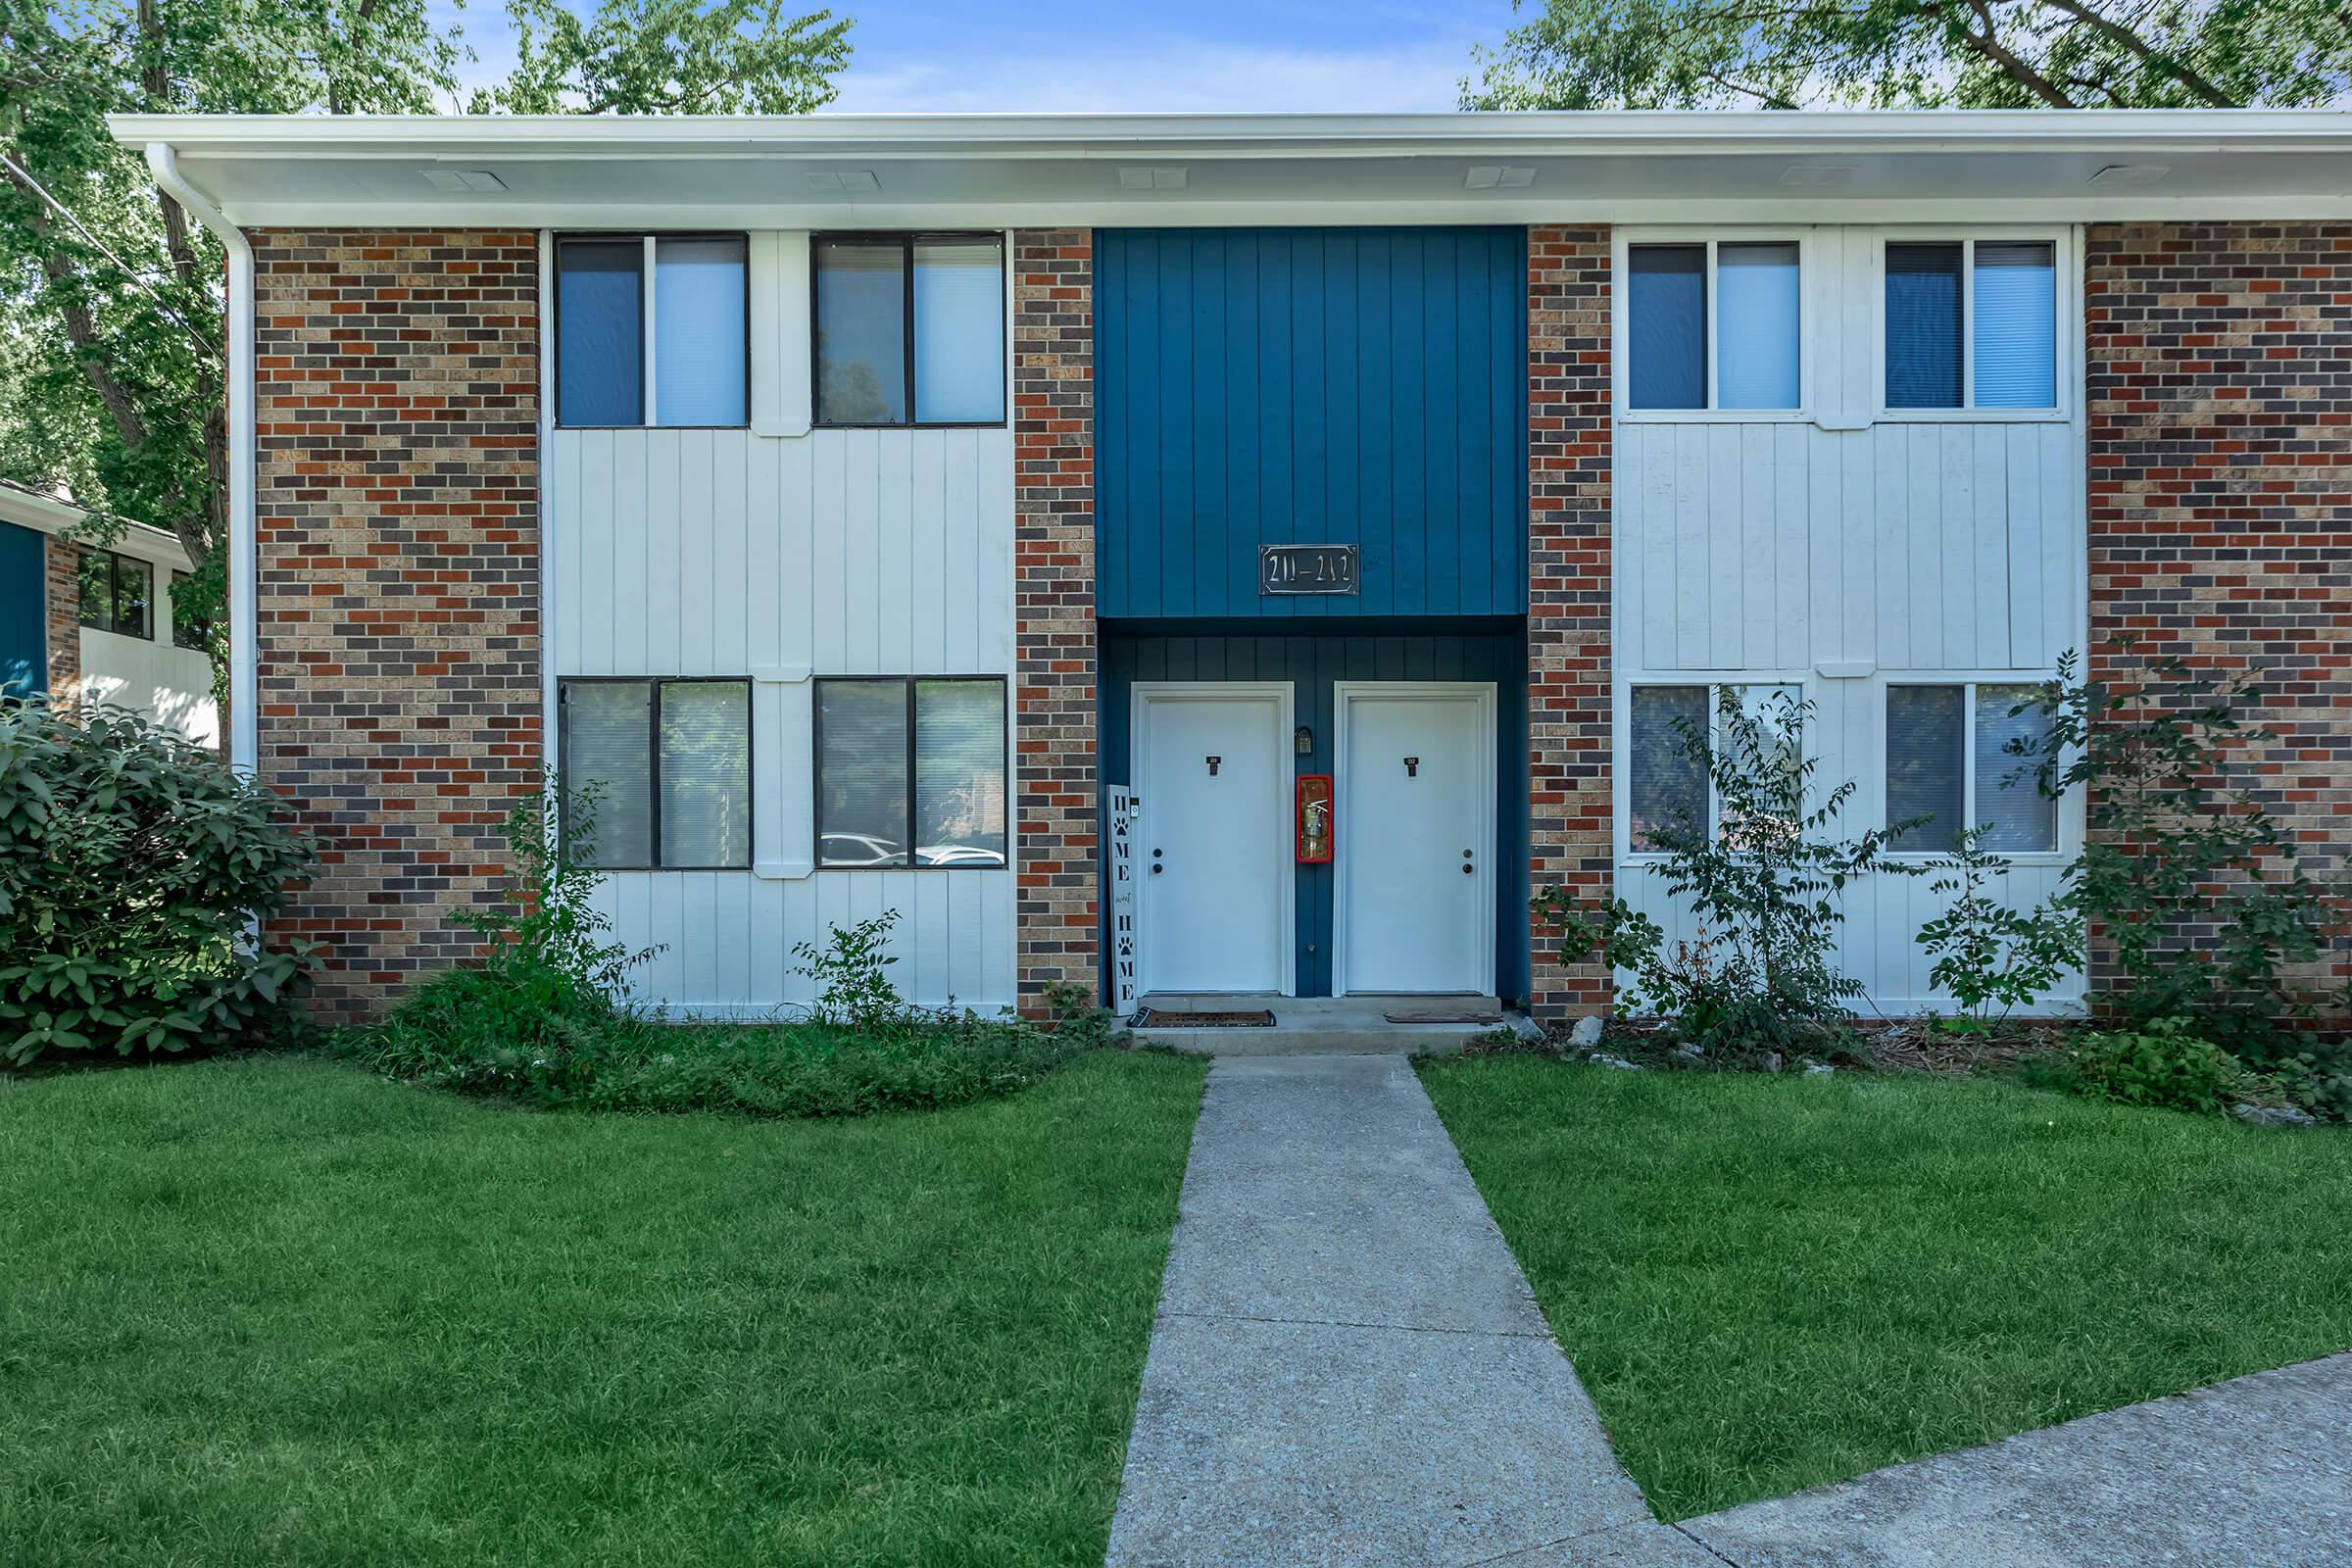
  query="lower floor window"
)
[
  {"x": 669, "y": 762},
  {"x": 910, "y": 771},
  {"x": 1949, "y": 759},
  {"x": 1667, "y": 778}
]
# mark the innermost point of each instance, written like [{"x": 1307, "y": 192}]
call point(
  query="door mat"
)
[
  {"x": 1162, "y": 1018},
  {"x": 1440, "y": 1015}
]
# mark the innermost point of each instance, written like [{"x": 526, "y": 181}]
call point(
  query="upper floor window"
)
[
  {"x": 1742, "y": 296},
  {"x": 117, "y": 593},
  {"x": 1949, "y": 760},
  {"x": 1972, "y": 325},
  {"x": 652, "y": 331},
  {"x": 910, "y": 329}
]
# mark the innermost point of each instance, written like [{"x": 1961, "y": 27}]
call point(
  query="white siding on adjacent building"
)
[
  {"x": 778, "y": 557},
  {"x": 1840, "y": 545}
]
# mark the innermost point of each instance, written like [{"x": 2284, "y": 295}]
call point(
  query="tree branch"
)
[
  {"x": 2180, "y": 70},
  {"x": 1988, "y": 46}
]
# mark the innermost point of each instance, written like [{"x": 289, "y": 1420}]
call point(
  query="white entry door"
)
[
  {"x": 1210, "y": 763},
  {"x": 1416, "y": 837}
]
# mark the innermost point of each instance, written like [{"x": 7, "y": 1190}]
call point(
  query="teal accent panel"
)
[
  {"x": 23, "y": 617},
  {"x": 1312, "y": 662},
  {"x": 1311, "y": 386}
]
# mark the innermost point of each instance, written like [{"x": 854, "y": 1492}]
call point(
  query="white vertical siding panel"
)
[
  {"x": 1762, "y": 603},
  {"x": 2027, "y": 584},
  {"x": 1987, "y": 581},
  {"x": 795, "y": 522},
  {"x": 661, "y": 517},
  {"x": 763, "y": 618},
  {"x": 1724, "y": 527},
  {"x": 697, "y": 536},
  {"x": 729, "y": 652},
  {"x": 863, "y": 566},
  {"x": 1955, "y": 449},
  {"x": 1890, "y": 478},
  {"x": 898, "y": 568},
  {"x": 1792, "y": 574},
  {"x": 931, "y": 936},
  {"x": 1694, "y": 571},
  {"x": 633, "y": 608},
  {"x": 2065, "y": 542},
  {"x": 828, "y": 556},
  {"x": 931, "y": 572},
  {"x": 1922, "y": 526},
  {"x": 1862, "y": 607}
]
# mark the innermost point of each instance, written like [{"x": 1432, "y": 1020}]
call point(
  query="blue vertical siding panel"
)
[
  {"x": 23, "y": 612},
  {"x": 1343, "y": 386}
]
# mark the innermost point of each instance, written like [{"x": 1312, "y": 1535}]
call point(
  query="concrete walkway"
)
[
  {"x": 2252, "y": 1473},
  {"x": 1348, "y": 1367}
]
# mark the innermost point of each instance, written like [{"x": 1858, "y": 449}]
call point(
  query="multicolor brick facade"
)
[
  {"x": 1571, "y": 841},
  {"x": 2220, "y": 391},
  {"x": 1056, "y": 937},
  {"x": 398, "y": 561},
  {"x": 62, "y": 594}
]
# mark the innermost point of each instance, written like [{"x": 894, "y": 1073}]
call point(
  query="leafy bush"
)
[
  {"x": 2196, "y": 889},
  {"x": 1758, "y": 976},
  {"x": 130, "y": 861},
  {"x": 850, "y": 969},
  {"x": 2162, "y": 1063},
  {"x": 544, "y": 1019},
  {"x": 1988, "y": 955}
]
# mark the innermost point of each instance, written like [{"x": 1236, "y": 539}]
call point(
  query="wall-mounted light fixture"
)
[{"x": 1304, "y": 737}]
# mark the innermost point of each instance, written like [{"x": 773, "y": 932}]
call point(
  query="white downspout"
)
[{"x": 244, "y": 624}]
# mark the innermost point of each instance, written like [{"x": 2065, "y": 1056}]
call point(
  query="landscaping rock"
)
[
  {"x": 1587, "y": 1033},
  {"x": 2274, "y": 1115},
  {"x": 1690, "y": 1052},
  {"x": 1771, "y": 1061},
  {"x": 1818, "y": 1069},
  {"x": 1600, "y": 1058}
]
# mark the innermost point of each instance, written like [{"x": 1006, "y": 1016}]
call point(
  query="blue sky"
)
[{"x": 1066, "y": 55}]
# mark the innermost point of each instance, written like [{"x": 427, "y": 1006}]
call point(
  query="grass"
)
[
  {"x": 1770, "y": 1283},
  {"x": 276, "y": 1310}
]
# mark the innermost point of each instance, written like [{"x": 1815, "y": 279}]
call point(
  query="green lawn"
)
[
  {"x": 278, "y": 1311},
  {"x": 1769, "y": 1283}
]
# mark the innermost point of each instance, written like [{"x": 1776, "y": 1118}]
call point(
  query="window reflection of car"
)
[
  {"x": 957, "y": 855},
  {"x": 858, "y": 849}
]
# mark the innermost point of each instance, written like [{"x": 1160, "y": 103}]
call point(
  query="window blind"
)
[
  {"x": 1923, "y": 326},
  {"x": 700, "y": 332},
  {"x": 861, "y": 772},
  {"x": 1927, "y": 773},
  {"x": 2016, "y": 325},
  {"x": 706, "y": 773},
  {"x": 861, "y": 332},
  {"x": 960, "y": 771},
  {"x": 958, "y": 331},
  {"x": 600, "y": 331},
  {"x": 608, "y": 747},
  {"x": 1756, "y": 305},
  {"x": 2016, "y": 815},
  {"x": 1666, "y": 310},
  {"x": 1667, "y": 787}
]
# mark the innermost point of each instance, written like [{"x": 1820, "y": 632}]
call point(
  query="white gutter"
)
[{"x": 244, "y": 624}]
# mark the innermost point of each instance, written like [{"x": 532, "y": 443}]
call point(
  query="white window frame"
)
[
  {"x": 2066, "y": 315},
  {"x": 2067, "y": 838},
  {"x": 1713, "y": 682},
  {"x": 1808, "y": 306}
]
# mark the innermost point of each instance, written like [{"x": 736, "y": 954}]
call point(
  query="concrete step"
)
[{"x": 1305, "y": 1025}]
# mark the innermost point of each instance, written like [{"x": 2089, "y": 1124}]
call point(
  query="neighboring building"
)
[
  {"x": 872, "y": 506},
  {"x": 87, "y": 623}
]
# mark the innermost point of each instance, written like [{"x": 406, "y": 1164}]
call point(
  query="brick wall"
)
[
  {"x": 2220, "y": 382},
  {"x": 1055, "y": 928},
  {"x": 61, "y": 575},
  {"x": 398, "y": 566},
  {"x": 1569, "y": 808}
]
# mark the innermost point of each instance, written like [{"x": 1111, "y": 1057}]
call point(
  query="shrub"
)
[
  {"x": 2185, "y": 875},
  {"x": 544, "y": 1019},
  {"x": 2162, "y": 1063},
  {"x": 850, "y": 969},
  {"x": 1988, "y": 955},
  {"x": 130, "y": 861},
  {"x": 1758, "y": 976}
]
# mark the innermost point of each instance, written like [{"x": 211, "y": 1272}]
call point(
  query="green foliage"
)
[
  {"x": 1762, "y": 884},
  {"x": 130, "y": 863},
  {"x": 668, "y": 57},
  {"x": 1079, "y": 1020},
  {"x": 1988, "y": 955},
  {"x": 2185, "y": 875},
  {"x": 850, "y": 970},
  {"x": 1988, "y": 54},
  {"x": 2162, "y": 1063}
]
